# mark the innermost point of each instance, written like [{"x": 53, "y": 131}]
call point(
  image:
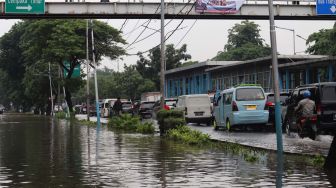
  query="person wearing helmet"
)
[{"x": 306, "y": 106}]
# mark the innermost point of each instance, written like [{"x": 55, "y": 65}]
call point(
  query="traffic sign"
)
[
  {"x": 76, "y": 71},
  {"x": 325, "y": 7},
  {"x": 25, "y": 6}
]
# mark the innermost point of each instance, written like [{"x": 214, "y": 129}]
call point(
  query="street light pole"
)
[
  {"x": 162, "y": 60},
  {"x": 87, "y": 73},
  {"x": 292, "y": 30},
  {"x": 277, "y": 96},
  {"x": 51, "y": 93}
]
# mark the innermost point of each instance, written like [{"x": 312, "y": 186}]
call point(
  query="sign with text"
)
[
  {"x": 218, "y": 6},
  {"x": 76, "y": 71},
  {"x": 326, "y": 7},
  {"x": 25, "y": 6}
]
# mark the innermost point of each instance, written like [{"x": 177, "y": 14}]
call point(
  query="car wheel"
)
[
  {"x": 228, "y": 125},
  {"x": 215, "y": 125}
]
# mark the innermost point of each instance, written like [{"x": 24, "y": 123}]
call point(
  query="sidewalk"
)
[{"x": 94, "y": 119}]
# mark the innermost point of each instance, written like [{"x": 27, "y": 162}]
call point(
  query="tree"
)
[
  {"x": 150, "y": 68},
  {"x": 323, "y": 42},
  {"x": 244, "y": 42},
  {"x": 57, "y": 41}
]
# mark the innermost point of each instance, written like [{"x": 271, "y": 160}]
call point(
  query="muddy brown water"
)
[{"x": 36, "y": 151}]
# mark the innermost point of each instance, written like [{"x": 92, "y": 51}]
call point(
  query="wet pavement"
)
[{"x": 37, "y": 151}]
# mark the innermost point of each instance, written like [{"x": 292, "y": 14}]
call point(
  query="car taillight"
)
[
  {"x": 318, "y": 109},
  {"x": 234, "y": 106},
  {"x": 186, "y": 111},
  {"x": 268, "y": 104}
]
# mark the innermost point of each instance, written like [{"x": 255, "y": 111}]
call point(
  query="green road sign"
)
[
  {"x": 75, "y": 73},
  {"x": 25, "y": 6}
]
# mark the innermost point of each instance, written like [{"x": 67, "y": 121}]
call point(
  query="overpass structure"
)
[{"x": 255, "y": 10}]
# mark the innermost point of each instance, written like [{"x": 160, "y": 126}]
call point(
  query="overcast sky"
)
[{"x": 205, "y": 38}]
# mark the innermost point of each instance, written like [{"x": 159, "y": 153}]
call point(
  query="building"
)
[{"x": 209, "y": 76}]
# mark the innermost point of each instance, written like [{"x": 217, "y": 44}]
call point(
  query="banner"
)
[{"x": 218, "y": 6}]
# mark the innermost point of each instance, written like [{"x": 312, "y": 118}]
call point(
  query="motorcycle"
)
[{"x": 307, "y": 127}]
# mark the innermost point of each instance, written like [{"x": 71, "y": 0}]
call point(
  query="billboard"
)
[{"x": 218, "y": 6}]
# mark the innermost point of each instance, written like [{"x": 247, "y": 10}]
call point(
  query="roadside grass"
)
[
  {"x": 88, "y": 123},
  {"x": 63, "y": 115}
]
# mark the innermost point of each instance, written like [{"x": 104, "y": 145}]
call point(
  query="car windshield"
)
[
  {"x": 329, "y": 93},
  {"x": 270, "y": 98},
  {"x": 147, "y": 105},
  {"x": 249, "y": 94}
]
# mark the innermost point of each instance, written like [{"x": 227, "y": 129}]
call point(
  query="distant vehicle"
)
[
  {"x": 270, "y": 105},
  {"x": 324, "y": 95},
  {"x": 127, "y": 107},
  {"x": 169, "y": 102},
  {"x": 197, "y": 108},
  {"x": 2, "y": 109},
  {"x": 151, "y": 96},
  {"x": 146, "y": 109},
  {"x": 240, "y": 106},
  {"x": 106, "y": 105}
]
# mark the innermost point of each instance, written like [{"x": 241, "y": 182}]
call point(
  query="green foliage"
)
[
  {"x": 130, "y": 123},
  {"x": 169, "y": 119},
  {"x": 318, "y": 160},
  {"x": 322, "y": 42},
  {"x": 188, "y": 136},
  {"x": 149, "y": 68},
  {"x": 60, "y": 115},
  {"x": 250, "y": 157},
  {"x": 145, "y": 128},
  {"x": 173, "y": 122},
  {"x": 163, "y": 114},
  {"x": 88, "y": 123},
  {"x": 244, "y": 43}
]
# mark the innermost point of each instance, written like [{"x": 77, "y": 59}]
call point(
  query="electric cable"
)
[{"x": 186, "y": 33}]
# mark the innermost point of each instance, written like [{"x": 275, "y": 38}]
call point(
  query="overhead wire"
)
[
  {"x": 186, "y": 33},
  {"x": 123, "y": 25},
  {"x": 166, "y": 38}
]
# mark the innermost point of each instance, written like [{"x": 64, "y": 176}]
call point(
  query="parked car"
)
[
  {"x": 146, "y": 109},
  {"x": 197, "y": 108},
  {"x": 2, "y": 109},
  {"x": 127, "y": 107},
  {"x": 270, "y": 105},
  {"x": 240, "y": 106},
  {"x": 324, "y": 95},
  {"x": 169, "y": 102}
]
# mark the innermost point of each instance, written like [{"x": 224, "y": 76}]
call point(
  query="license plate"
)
[
  {"x": 198, "y": 113},
  {"x": 251, "y": 107}
]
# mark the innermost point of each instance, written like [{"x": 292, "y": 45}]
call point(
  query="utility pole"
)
[
  {"x": 95, "y": 78},
  {"x": 51, "y": 93},
  {"x": 87, "y": 73},
  {"x": 162, "y": 61},
  {"x": 277, "y": 96}
]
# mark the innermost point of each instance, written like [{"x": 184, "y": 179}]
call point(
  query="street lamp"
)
[{"x": 292, "y": 30}]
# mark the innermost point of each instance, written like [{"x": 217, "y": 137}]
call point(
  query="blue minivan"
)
[{"x": 239, "y": 106}]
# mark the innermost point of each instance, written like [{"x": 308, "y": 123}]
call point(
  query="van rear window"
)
[
  {"x": 196, "y": 101},
  {"x": 249, "y": 94},
  {"x": 329, "y": 93}
]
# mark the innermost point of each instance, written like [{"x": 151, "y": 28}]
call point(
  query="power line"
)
[
  {"x": 186, "y": 33},
  {"x": 123, "y": 25}
]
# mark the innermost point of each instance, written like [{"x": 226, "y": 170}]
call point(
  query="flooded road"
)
[{"x": 36, "y": 151}]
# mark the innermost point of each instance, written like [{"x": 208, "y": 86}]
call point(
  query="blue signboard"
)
[{"x": 326, "y": 7}]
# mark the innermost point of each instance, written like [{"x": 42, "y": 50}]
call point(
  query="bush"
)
[
  {"x": 145, "y": 128},
  {"x": 60, "y": 115},
  {"x": 169, "y": 119},
  {"x": 188, "y": 136}
]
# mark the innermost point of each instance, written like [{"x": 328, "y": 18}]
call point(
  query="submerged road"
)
[{"x": 266, "y": 140}]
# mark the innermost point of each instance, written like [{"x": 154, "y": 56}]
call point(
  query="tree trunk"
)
[
  {"x": 68, "y": 98},
  {"x": 331, "y": 158}
]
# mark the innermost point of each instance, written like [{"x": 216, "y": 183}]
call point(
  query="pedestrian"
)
[{"x": 117, "y": 107}]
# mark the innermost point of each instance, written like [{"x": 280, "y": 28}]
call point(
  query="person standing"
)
[{"x": 117, "y": 107}]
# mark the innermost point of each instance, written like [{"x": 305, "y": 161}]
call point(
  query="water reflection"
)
[{"x": 40, "y": 152}]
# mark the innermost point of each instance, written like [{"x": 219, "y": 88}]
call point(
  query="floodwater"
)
[{"x": 36, "y": 151}]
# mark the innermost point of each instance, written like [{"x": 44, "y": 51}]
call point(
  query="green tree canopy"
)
[
  {"x": 323, "y": 42},
  {"x": 244, "y": 42},
  {"x": 150, "y": 68}
]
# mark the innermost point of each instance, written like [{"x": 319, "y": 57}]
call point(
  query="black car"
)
[
  {"x": 270, "y": 105},
  {"x": 146, "y": 109},
  {"x": 324, "y": 95}
]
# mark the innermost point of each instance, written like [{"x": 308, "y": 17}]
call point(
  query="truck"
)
[{"x": 151, "y": 96}]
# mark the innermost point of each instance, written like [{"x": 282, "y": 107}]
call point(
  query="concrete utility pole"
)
[
  {"x": 95, "y": 78},
  {"x": 162, "y": 62},
  {"x": 277, "y": 96},
  {"x": 87, "y": 73}
]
